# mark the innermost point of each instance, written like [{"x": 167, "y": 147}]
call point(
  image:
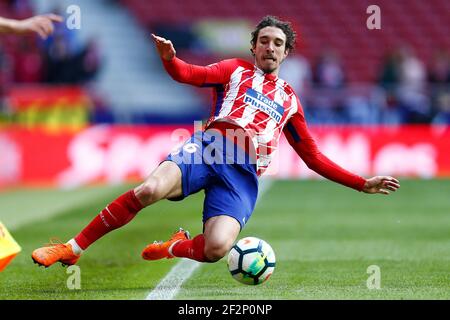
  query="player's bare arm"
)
[
  {"x": 381, "y": 184},
  {"x": 165, "y": 47},
  {"x": 43, "y": 25}
]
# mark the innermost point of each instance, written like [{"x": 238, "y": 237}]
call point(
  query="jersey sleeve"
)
[
  {"x": 201, "y": 76},
  {"x": 300, "y": 139}
]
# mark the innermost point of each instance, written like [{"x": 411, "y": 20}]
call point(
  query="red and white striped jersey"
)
[
  {"x": 264, "y": 105},
  {"x": 258, "y": 102}
]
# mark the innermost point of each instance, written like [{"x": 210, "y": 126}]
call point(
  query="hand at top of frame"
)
[{"x": 41, "y": 24}]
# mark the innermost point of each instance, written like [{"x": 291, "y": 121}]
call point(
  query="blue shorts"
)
[{"x": 226, "y": 173}]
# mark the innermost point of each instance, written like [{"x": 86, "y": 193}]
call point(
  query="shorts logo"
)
[{"x": 265, "y": 104}]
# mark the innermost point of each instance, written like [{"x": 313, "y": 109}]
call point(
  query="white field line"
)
[{"x": 170, "y": 285}]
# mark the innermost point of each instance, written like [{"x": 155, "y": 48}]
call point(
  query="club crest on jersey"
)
[
  {"x": 265, "y": 104},
  {"x": 284, "y": 96}
]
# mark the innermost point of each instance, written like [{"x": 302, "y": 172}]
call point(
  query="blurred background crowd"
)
[{"x": 343, "y": 72}]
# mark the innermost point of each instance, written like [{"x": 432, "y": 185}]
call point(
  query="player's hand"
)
[
  {"x": 165, "y": 47},
  {"x": 42, "y": 25},
  {"x": 381, "y": 184}
]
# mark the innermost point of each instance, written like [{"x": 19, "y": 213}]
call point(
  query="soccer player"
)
[
  {"x": 41, "y": 24},
  {"x": 252, "y": 108}
]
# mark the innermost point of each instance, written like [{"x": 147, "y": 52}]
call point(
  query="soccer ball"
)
[{"x": 251, "y": 261}]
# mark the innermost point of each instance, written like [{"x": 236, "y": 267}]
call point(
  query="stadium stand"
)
[
  {"x": 319, "y": 23},
  {"x": 368, "y": 67}
]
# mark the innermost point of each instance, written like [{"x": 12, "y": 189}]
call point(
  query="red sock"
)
[
  {"x": 115, "y": 215},
  {"x": 193, "y": 249}
]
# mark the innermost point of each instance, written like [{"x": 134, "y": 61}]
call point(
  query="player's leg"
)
[
  {"x": 224, "y": 210},
  {"x": 220, "y": 232},
  {"x": 230, "y": 196},
  {"x": 227, "y": 208},
  {"x": 163, "y": 182}
]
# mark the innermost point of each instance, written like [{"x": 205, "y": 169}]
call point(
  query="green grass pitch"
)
[{"x": 325, "y": 236}]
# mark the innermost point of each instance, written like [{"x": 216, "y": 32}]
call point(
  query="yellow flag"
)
[{"x": 8, "y": 247}]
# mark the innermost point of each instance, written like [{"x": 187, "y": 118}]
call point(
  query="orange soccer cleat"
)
[
  {"x": 55, "y": 252},
  {"x": 160, "y": 250}
]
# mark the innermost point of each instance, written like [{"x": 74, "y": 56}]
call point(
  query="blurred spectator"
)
[
  {"x": 21, "y": 8},
  {"x": 89, "y": 60},
  {"x": 390, "y": 111},
  {"x": 363, "y": 103},
  {"x": 403, "y": 75},
  {"x": 60, "y": 67},
  {"x": 325, "y": 101},
  {"x": 329, "y": 72},
  {"x": 415, "y": 104},
  {"x": 296, "y": 70},
  {"x": 439, "y": 71},
  {"x": 6, "y": 71},
  {"x": 64, "y": 66},
  {"x": 439, "y": 79},
  {"x": 28, "y": 63},
  {"x": 181, "y": 35},
  {"x": 390, "y": 70},
  {"x": 443, "y": 106},
  {"x": 412, "y": 71}
]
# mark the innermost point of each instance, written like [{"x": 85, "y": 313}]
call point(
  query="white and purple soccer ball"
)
[{"x": 251, "y": 261}]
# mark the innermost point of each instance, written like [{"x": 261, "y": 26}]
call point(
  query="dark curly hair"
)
[{"x": 271, "y": 21}]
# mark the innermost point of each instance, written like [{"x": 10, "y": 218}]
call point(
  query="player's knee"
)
[
  {"x": 216, "y": 250},
  {"x": 214, "y": 254},
  {"x": 148, "y": 192}
]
